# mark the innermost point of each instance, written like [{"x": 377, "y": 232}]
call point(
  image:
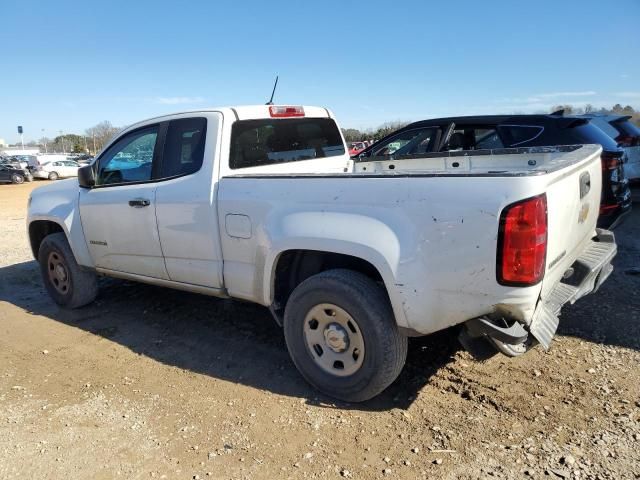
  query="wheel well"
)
[
  {"x": 38, "y": 230},
  {"x": 295, "y": 266}
]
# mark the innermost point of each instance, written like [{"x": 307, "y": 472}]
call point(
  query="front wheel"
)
[
  {"x": 17, "y": 178},
  {"x": 54, "y": 176},
  {"x": 67, "y": 283},
  {"x": 341, "y": 334}
]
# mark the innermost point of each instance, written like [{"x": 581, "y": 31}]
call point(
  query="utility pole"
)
[
  {"x": 21, "y": 136},
  {"x": 93, "y": 132},
  {"x": 62, "y": 141},
  {"x": 44, "y": 140}
]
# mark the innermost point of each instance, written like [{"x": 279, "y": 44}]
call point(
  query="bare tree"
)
[{"x": 99, "y": 135}]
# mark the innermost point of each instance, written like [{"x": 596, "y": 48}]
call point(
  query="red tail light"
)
[
  {"x": 522, "y": 242},
  {"x": 607, "y": 209},
  {"x": 279, "y": 111}
]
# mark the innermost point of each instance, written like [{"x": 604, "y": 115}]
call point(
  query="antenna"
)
[{"x": 270, "y": 102}]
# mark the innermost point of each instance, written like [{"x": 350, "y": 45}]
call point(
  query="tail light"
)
[
  {"x": 522, "y": 242},
  {"x": 279, "y": 111},
  {"x": 607, "y": 209},
  {"x": 612, "y": 181}
]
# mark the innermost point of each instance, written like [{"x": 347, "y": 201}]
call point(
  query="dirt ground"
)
[{"x": 154, "y": 383}]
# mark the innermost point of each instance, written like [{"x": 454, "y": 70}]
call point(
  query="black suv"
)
[{"x": 507, "y": 131}]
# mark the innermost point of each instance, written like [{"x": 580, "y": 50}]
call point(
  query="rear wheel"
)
[
  {"x": 53, "y": 176},
  {"x": 17, "y": 178},
  {"x": 342, "y": 336},
  {"x": 67, "y": 283}
]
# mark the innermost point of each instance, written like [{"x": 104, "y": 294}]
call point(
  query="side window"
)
[
  {"x": 184, "y": 147},
  {"x": 515, "y": 135},
  {"x": 129, "y": 159},
  {"x": 410, "y": 142},
  {"x": 487, "y": 138},
  {"x": 474, "y": 138}
]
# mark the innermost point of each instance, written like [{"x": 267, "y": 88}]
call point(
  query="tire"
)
[
  {"x": 17, "y": 178},
  {"x": 54, "y": 176},
  {"x": 68, "y": 285},
  {"x": 331, "y": 295}
]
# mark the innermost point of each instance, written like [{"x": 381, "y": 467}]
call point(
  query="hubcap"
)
[
  {"x": 58, "y": 275},
  {"x": 334, "y": 340}
]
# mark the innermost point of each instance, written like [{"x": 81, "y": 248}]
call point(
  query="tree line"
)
[
  {"x": 617, "y": 109},
  {"x": 92, "y": 141},
  {"x": 355, "y": 135}
]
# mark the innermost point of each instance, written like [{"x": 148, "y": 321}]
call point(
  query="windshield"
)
[{"x": 267, "y": 141}]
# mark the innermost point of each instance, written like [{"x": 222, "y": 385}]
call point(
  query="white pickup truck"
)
[{"x": 262, "y": 203}]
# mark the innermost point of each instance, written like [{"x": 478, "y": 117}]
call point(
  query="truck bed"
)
[{"x": 499, "y": 162}]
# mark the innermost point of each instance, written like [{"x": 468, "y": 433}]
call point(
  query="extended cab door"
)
[
  {"x": 186, "y": 200},
  {"x": 118, "y": 214}
]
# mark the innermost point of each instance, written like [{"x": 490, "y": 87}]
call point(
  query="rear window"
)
[
  {"x": 267, "y": 141},
  {"x": 588, "y": 133}
]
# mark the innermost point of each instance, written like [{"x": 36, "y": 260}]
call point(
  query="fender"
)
[
  {"x": 58, "y": 203},
  {"x": 334, "y": 232}
]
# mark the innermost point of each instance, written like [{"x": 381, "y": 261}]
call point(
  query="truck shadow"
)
[
  {"x": 240, "y": 342},
  {"x": 225, "y": 339}
]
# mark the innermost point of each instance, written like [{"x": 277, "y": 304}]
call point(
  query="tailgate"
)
[{"x": 573, "y": 204}]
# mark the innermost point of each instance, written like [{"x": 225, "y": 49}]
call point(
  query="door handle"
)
[{"x": 139, "y": 202}]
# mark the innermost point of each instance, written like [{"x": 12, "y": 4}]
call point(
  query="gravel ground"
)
[{"x": 154, "y": 383}]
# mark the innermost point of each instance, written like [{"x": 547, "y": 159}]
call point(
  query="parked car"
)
[
  {"x": 626, "y": 134},
  {"x": 83, "y": 159},
  {"x": 11, "y": 174},
  {"x": 351, "y": 258},
  {"x": 17, "y": 161},
  {"x": 10, "y": 162},
  {"x": 40, "y": 159},
  {"x": 492, "y": 132},
  {"x": 56, "y": 170}
]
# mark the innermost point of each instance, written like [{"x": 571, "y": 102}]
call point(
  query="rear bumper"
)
[
  {"x": 590, "y": 270},
  {"x": 584, "y": 276}
]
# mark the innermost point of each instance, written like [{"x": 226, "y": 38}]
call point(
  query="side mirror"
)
[{"x": 86, "y": 176}]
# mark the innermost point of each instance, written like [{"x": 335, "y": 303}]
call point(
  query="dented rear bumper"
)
[{"x": 584, "y": 276}]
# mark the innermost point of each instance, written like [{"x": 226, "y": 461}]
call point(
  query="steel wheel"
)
[
  {"x": 58, "y": 274},
  {"x": 334, "y": 340}
]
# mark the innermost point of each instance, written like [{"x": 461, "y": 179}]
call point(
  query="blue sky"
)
[{"x": 67, "y": 65}]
